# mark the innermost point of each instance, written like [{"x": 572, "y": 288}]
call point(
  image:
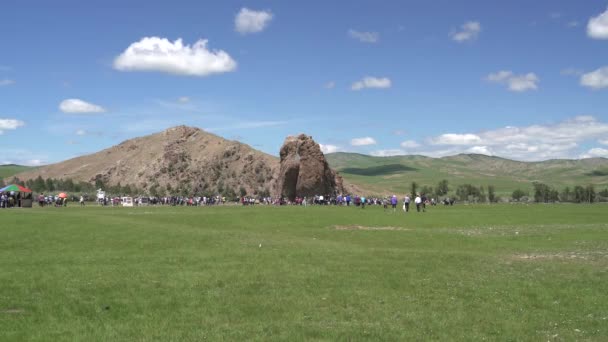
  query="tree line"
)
[{"x": 541, "y": 193}]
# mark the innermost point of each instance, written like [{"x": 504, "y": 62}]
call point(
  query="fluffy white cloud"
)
[
  {"x": 372, "y": 82},
  {"x": 329, "y": 148},
  {"x": 597, "y": 79},
  {"x": 456, "y": 139},
  {"x": 595, "y": 153},
  {"x": 10, "y": 124},
  {"x": 75, "y": 106},
  {"x": 364, "y": 37},
  {"x": 365, "y": 141},
  {"x": 469, "y": 31},
  {"x": 480, "y": 150},
  {"x": 388, "y": 153},
  {"x": 250, "y": 21},
  {"x": 517, "y": 83},
  {"x": 410, "y": 144},
  {"x": 603, "y": 141},
  {"x": 536, "y": 142},
  {"x": 81, "y": 132},
  {"x": 183, "y": 99},
  {"x": 6, "y": 82},
  {"x": 160, "y": 54},
  {"x": 597, "y": 27}
]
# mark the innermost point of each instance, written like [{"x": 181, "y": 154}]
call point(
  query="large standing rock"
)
[{"x": 304, "y": 170}]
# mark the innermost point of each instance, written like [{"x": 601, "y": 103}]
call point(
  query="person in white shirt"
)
[{"x": 418, "y": 202}]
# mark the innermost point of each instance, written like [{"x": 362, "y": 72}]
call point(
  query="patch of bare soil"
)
[
  {"x": 357, "y": 227},
  {"x": 12, "y": 311},
  {"x": 563, "y": 256}
]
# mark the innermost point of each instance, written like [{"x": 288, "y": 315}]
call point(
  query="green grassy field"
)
[
  {"x": 470, "y": 273},
  {"x": 385, "y": 175}
]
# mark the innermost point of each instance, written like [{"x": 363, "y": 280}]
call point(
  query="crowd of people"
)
[
  {"x": 419, "y": 202},
  {"x": 12, "y": 199}
]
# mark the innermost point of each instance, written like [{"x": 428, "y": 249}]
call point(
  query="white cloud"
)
[
  {"x": 372, "y": 82},
  {"x": 21, "y": 156},
  {"x": 365, "y": 141},
  {"x": 74, "y": 106},
  {"x": 10, "y": 124},
  {"x": 597, "y": 79},
  {"x": 603, "y": 141},
  {"x": 410, "y": 144},
  {"x": 480, "y": 150},
  {"x": 456, "y": 139},
  {"x": 535, "y": 142},
  {"x": 160, "y": 54},
  {"x": 364, "y": 37},
  {"x": 517, "y": 83},
  {"x": 6, "y": 82},
  {"x": 595, "y": 153},
  {"x": 329, "y": 148},
  {"x": 81, "y": 132},
  {"x": 250, "y": 21},
  {"x": 183, "y": 99},
  {"x": 597, "y": 27},
  {"x": 388, "y": 153},
  {"x": 469, "y": 31},
  {"x": 330, "y": 85}
]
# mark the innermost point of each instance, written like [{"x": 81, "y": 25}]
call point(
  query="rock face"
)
[{"x": 304, "y": 170}]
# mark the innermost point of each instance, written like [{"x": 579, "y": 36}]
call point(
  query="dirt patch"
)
[
  {"x": 356, "y": 227},
  {"x": 564, "y": 256},
  {"x": 12, "y": 311}
]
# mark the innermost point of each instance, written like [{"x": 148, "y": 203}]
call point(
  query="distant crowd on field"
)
[{"x": 420, "y": 201}]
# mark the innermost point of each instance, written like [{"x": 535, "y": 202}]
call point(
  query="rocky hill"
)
[{"x": 180, "y": 159}]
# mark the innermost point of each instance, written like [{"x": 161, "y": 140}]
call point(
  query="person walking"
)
[
  {"x": 394, "y": 203},
  {"x": 406, "y": 203},
  {"x": 81, "y": 201},
  {"x": 418, "y": 202}
]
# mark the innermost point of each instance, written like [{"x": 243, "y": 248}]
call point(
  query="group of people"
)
[{"x": 12, "y": 199}]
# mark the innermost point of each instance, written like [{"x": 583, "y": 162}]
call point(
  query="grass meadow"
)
[{"x": 469, "y": 273}]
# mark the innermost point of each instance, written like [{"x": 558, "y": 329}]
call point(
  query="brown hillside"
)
[{"x": 183, "y": 159}]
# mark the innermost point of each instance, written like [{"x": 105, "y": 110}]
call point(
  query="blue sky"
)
[{"x": 517, "y": 79}]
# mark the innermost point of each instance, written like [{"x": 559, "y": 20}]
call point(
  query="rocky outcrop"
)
[{"x": 304, "y": 171}]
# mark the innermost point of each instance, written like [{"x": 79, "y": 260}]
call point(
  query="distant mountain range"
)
[
  {"x": 395, "y": 174},
  {"x": 189, "y": 159}
]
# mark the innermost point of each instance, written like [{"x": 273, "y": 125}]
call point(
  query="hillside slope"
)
[
  {"x": 180, "y": 159},
  {"x": 389, "y": 174},
  {"x": 9, "y": 170}
]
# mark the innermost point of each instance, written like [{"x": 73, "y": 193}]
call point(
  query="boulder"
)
[{"x": 304, "y": 171}]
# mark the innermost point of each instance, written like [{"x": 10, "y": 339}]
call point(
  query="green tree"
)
[
  {"x": 50, "y": 185},
  {"x": 414, "y": 189},
  {"x": 579, "y": 194},
  {"x": 39, "y": 184},
  {"x": 518, "y": 194},
  {"x": 99, "y": 184},
  {"x": 590, "y": 194},
  {"x": 442, "y": 188},
  {"x": 491, "y": 194},
  {"x": 541, "y": 192},
  {"x": 566, "y": 195}
]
